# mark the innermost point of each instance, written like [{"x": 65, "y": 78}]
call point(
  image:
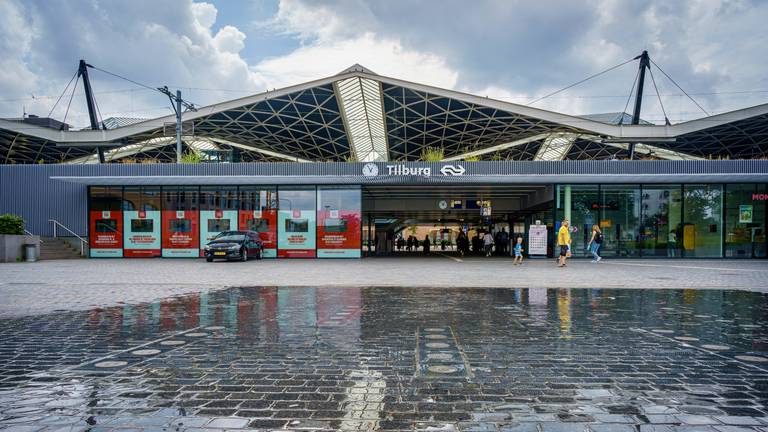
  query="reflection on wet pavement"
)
[{"x": 394, "y": 359}]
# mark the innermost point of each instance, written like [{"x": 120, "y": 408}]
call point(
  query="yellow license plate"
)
[{"x": 219, "y": 253}]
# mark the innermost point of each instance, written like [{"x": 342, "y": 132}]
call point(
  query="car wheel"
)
[
  {"x": 243, "y": 254},
  {"x": 209, "y": 259}
]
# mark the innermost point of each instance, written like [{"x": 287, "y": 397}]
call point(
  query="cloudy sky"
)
[{"x": 512, "y": 50}]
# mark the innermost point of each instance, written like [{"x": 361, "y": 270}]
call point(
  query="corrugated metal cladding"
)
[{"x": 30, "y": 190}]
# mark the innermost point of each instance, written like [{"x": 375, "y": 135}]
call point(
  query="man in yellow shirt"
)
[{"x": 564, "y": 241}]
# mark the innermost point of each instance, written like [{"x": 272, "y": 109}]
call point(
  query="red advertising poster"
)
[
  {"x": 338, "y": 230},
  {"x": 296, "y": 253},
  {"x": 181, "y": 233},
  {"x": 263, "y": 222},
  {"x": 106, "y": 229}
]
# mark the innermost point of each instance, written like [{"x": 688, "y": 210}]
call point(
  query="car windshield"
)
[{"x": 230, "y": 236}]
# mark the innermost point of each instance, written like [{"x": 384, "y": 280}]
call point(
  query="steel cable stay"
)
[{"x": 581, "y": 81}]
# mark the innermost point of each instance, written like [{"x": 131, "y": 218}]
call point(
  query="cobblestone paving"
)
[{"x": 394, "y": 359}]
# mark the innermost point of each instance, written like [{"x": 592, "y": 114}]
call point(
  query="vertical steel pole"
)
[
  {"x": 178, "y": 126},
  {"x": 644, "y": 63}
]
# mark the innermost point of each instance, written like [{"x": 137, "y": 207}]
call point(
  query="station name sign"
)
[{"x": 372, "y": 170}]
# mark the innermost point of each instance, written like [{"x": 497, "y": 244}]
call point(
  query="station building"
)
[{"x": 340, "y": 167}]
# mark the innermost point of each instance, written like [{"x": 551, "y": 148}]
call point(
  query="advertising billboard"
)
[
  {"x": 181, "y": 235},
  {"x": 338, "y": 234},
  {"x": 296, "y": 233},
  {"x": 141, "y": 233},
  {"x": 106, "y": 234},
  {"x": 263, "y": 222},
  {"x": 214, "y": 222}
]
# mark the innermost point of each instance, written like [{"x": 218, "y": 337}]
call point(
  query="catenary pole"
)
[
  {"x": 178, "y": 126},
  {"x": 82, "y": 70},
  {"x": 645, "y": 63}
]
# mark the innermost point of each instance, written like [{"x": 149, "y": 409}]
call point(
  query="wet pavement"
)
[{"x": 394, "y": 359}]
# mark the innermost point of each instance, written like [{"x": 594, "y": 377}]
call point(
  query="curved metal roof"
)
[{"x": 358, "y": 115}]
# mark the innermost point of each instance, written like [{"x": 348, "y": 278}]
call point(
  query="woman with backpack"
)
[{"x": 595, "y": 242}]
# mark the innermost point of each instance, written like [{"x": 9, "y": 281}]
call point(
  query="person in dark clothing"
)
[
  {"x": 503, "y": 242},
  {"x": 409, "y": 243},
  {"x": 426, "y": 244},
  {"x": 477, "y": 244},
  {"x": 462, "y": 243}
]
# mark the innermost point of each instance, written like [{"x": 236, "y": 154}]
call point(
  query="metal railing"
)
[{"x": 57, "y": 224}]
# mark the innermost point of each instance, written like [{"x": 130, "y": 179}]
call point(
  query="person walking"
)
[
  {"x": 564, "y": 241},
  {"x": 595, "y": 242},
  {"x": 426, "y": 244},
  {"x": 671, "y": 243},
  {"x": 503, "y": 243},
  {"x": 462, "y": 244},
  {"x": 488, "y": 243},
  {"x": 518, "y": 251}
]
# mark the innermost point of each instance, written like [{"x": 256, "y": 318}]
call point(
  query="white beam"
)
[
  {"x": 497, "y": 147},
  {"x": 362, "y": 110}
]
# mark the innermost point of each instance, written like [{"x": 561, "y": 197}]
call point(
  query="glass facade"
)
[
  {"x": 177, "y": 221},
  {"x": 745, "y": 219},
  {"x": 668, "y": 220}
]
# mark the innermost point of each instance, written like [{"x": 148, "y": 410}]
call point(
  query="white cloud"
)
[{"x": 385, "y": 57}]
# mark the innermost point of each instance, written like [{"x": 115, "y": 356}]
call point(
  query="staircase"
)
[{"x": 55, "y": 248}]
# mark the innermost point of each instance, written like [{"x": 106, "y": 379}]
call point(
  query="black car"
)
[{"x": 234, "y": 245}]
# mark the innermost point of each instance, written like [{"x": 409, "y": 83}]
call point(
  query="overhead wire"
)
[
  {"x": 579, "y": 82},
  {"x": 629, "y": 98},
  {"x": 681, "y": 89},
  {"x": 62, "y": 93},
  {"x": 653, "y": 80},
  {"x": 72, "y": 96}
]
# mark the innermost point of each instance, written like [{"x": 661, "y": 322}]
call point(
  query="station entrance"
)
[{"x": 399, "y": 220}]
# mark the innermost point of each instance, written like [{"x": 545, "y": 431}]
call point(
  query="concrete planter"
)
[{"x": 12, "y": 246}]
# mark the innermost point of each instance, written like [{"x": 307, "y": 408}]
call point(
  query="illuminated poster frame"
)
[
  {"x": 105, "y": 239},
  {"x": 269, "y": 237},
  {"x": 141, "y": 243},
  {"x": 181, "y": 236},
  {"x": 339, "y": 221},
  {"x": 208, "y": 232},
  {"x": 297, "y": 223}
]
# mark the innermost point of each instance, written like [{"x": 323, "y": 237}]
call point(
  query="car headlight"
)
[
  {"x": 207, "y": 247},
  {"x": 234, "y": 247}
]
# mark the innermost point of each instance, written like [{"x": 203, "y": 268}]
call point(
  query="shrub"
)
[
  {"x": 191, "y": 157},
  {"x": 11, "y": 224},
  {"x": 432, "y": 154}
]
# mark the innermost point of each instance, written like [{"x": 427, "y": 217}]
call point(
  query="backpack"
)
[{"x": 599, "y": 238}]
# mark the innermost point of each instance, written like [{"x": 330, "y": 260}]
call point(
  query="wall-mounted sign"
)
[
  {"x": 745, "y": 214},
  {"x": 759, "y": 197},
  {"x": 372, "y": 170}
]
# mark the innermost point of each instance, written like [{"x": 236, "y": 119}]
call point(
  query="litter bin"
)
[{"x": 30, "y": 252}]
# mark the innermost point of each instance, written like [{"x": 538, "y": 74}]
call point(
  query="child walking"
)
[{"x": 519, "y": 251}]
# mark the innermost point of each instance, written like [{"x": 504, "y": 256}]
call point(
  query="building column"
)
[{"x": 567, "y": 202}]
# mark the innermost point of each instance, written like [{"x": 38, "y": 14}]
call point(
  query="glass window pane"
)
[
  {"x": 584, "y": 211},
  {"x": 258, "y": 198},
  {"x": 180, "y": 198},
  {"x": 218, "y": 198},
  {"x": 620, "y": 220},
  {"x": 106, "y": 198},
  {"x": 744, "y": 221},
  {"x": 660, "y": 234},
  {"x": 702, "y": 227}
]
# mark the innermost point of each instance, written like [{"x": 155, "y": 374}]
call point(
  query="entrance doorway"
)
[{"x": 399, "y": 220}]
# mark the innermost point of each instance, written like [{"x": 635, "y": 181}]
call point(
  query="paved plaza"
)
[
  {"x": 320, "y": 345},
  {"x": 82, "y": 284}
]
